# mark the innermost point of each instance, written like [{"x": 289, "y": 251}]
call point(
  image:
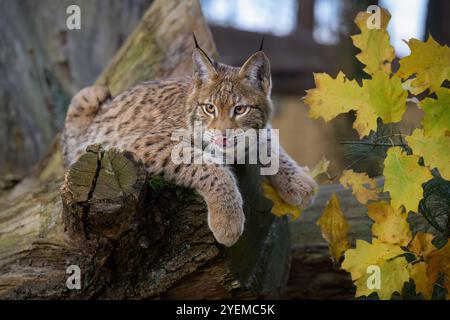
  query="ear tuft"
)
[
  {"x": 204, "y": 67},
  {"x": 195, "y": 41},
  {"x": 256, "y": 72},
  {"x": 261, "y": 46}
]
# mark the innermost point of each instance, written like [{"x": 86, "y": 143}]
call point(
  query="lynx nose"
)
[{"x": 220, "y": 140}]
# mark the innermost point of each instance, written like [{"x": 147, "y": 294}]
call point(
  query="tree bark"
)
[
  {"x": 47, "y": 64},
  {"x": 135, "y": 236}
]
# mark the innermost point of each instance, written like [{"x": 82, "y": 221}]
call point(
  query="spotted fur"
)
[{"x": 143, "y": 119}]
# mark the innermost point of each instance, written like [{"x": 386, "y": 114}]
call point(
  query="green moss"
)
[
  {"x": 137, "y": 61},
  {"x": 159, "y": 184}
]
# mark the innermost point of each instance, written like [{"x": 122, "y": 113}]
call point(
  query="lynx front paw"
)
[
  {"x": 298, "y": 189},
  {"x": 227, "y": 223}
]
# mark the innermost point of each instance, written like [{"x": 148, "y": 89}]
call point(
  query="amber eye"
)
[
  {"x": 239, "y": 110},
  {"x": 209, "y": 108}
]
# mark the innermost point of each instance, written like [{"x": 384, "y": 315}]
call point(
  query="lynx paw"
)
[
  {"x": 227, "y": 223},
  {"x": 298, "y": 189}
]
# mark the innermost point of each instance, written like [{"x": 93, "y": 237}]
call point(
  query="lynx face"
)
[{"x": 225, "y": 97}]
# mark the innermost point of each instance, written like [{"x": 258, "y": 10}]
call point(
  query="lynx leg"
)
[
  {"x": 218, "y": 187},
  {"x": 215, "y": 183}
]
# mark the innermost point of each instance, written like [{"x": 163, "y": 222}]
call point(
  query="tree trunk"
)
[
  {"x": 437, "y": 22},
  {"x": 134, "y": 236},
  {"x": 42, "y": 64},
  {"x": 305, "y": 16}
]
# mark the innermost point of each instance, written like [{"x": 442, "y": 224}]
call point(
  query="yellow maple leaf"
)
[
  {"x": 376, "y": 51},
  {"x": 364, "y": 254},
  {"x": 434, "y": 150},
  {"x": 332, "y": 97},
  {"x": 390, "y": 224},
  {"x": 387, "y": 97},
  {"x": 421, "y": 245},
  {"x": 424, "y": 284},
  {"x": 380, "y": 96},
  {"x": 429, "y": 61},
  {"x": 358, "y": 182},
  {"x": 320, "y": 167},
  {"x": 334, "y": 228},
  {"x": 393, "y": 275},
  {"x": 280, "y": 207},
  {"x": 386, "y": 257},
  {"x": 439, "y": 261},
  {"x": 404, "y": 178},
  {"x": 436, "y": 121}
]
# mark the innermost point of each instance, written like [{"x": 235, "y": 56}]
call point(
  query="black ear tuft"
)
[
  {"x": 195, "y": 41},
  {"x": 262, "y": 44},
  {"x": 204, "y": 66},
  {"x": 214, "y": 64}
]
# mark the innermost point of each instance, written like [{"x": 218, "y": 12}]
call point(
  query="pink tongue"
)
[{"x": 220, "y": 141}]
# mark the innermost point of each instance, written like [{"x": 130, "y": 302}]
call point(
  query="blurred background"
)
[{"x": 42, "y": 63}]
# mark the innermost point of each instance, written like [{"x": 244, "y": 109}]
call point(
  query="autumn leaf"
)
[
  {"x": 390, "y": 224},
  {"x": 436, "y": 121},
  {"x": 421, "y": 245},
  {"x": 424, "y": 284},
  {"x": 334, "y": 228},
  {"x": 393, "y": 273},
  {"x": 385, "y": 256},
  {"x": 280, "y": 207},
  {"x": 358, "y": 182},
  {"x": 434, "y": 150},
  {"x": 320, "y": 167},
  {"x": 376, "y": 51},
  {"x": 332, "y": 97},
  {"x": 439, "y": 261},
  {"x": 364, "y": 254},
  {"x": 380, "y": 96},
  {"x": 429, "y": 61},
  {"x": 404, "y": 178},
  {"x": 386, "y": 96}
]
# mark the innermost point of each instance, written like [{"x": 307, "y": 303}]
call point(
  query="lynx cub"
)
[{"x": 143, "y": 118}]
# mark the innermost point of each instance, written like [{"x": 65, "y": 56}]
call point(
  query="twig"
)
[{"x": 375, "y": 144}]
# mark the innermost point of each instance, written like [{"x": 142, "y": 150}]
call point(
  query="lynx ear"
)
[
  {"x": 204, "y": 66},
  {"x": 256, "y": 72}
]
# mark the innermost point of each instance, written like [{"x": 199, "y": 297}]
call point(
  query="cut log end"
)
[{"x": 102, "y": 194}]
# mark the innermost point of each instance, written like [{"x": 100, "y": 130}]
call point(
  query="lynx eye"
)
[
  {"x": 209, "y": 109},
  {"x": 240, "y": 110}
]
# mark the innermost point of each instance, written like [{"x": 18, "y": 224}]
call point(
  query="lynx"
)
[{"x": 221, "y": 97}]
